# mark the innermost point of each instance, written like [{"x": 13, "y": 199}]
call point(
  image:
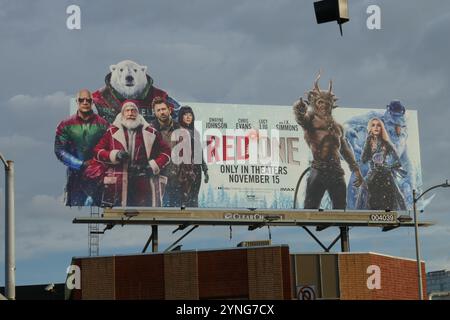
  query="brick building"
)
[{"x": 255, "y": 273}]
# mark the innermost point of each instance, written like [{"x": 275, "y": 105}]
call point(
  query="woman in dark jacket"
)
[
  {"x": 190, "y": 175},
  {"x": 383, "y": 192}
]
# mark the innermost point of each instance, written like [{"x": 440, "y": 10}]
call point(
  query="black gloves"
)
[
  {"x": 84, "y": 165},
  {"x": 122, "y": 155}
]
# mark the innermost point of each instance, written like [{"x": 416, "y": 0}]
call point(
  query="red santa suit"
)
[{"x": 135, "y": 181}]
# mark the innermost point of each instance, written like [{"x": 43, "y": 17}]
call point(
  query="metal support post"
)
[
  {"x": 345, "y": 241},
  {"x": 154, "y": 238},
  {"x": 416, "y": 234},
  {"x": 10, "y": 269}
]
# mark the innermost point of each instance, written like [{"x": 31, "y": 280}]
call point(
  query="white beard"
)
[{"x": 131, "y": 124}]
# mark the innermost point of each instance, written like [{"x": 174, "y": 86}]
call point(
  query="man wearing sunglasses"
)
[{"x": 74, "y": 142}]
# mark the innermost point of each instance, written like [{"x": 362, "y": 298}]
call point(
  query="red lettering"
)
[
  {"x": 242, "y": 151},
  {"x": 232, "y": 148},
  {"x": 213, "y": 145},
  {"x": 226, "y": 146}
]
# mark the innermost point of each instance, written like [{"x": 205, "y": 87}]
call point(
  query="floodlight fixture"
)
[{"x": 332, "y": 10}]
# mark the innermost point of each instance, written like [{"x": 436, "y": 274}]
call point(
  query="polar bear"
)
[{"x": 128, "y": 80}]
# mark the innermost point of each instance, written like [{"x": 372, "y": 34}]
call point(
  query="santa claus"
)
[{"x": 134, "y": 153}]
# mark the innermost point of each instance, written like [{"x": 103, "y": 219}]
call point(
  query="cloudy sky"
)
[{"x": 234, "y": 51}]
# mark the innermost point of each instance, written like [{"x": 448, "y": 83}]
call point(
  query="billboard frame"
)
[{"x": 253, "y": 218}]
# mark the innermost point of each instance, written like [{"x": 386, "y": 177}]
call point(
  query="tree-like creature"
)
[{"x": 325, "y": 138}]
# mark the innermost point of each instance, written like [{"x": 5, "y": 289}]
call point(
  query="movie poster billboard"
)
[
  {"x": 279, "y": 165},
  {"x": 256, "y": 156},
  {"x": 130, "y": 144}
]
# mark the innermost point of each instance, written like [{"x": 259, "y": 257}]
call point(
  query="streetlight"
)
[
  {"x": 10, "y": 268},
  {"x": 416, "y": 229}
]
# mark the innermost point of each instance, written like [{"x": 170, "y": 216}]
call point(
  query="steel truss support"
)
[
  {"x": 181, "y": 238},
  {"x": 344, "y": 244}
]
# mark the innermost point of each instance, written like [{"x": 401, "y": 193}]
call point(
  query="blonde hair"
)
[{"x": 383, "y": 134}]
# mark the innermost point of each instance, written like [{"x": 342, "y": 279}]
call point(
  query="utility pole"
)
[
  {"x": 416, "y": 233},
  {"x": 10, "y": 257}
]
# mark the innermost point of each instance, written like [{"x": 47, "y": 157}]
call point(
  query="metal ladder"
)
[{"x": 94, "y": 234}]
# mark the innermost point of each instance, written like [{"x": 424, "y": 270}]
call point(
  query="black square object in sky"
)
[{"x": 331, "y": 10}]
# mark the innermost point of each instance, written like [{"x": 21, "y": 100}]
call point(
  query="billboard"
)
[
  {"x": 142, "y": 148},
  {"x": 277, "y": 169},
  {"x": 255, "y": 155}
]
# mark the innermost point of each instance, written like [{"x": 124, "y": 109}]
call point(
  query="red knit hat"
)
[{"x": 128, "y": 103}]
